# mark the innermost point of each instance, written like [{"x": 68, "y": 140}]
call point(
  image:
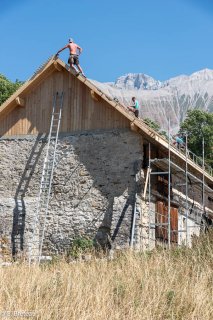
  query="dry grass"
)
[{"x": 159, "y": 285}]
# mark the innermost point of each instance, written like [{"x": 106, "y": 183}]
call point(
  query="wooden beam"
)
[
  {"x": 133, "y": 127},
  {"x": 146, "y": 182},
  {"x": 20, "y": 102},
  {"x": 94, "y": 95},
  {"x": 57, "y": 66}
]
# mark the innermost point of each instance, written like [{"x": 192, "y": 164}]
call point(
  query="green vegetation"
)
[
  {"x": 155, "y": 126},
  {"x": 174, "y": 284},
  {"x": 199, "y": 124},
  {"x": 80, "y": 246},
  {"x": 7, "y": 88}
]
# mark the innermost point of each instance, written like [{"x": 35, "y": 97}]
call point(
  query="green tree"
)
[
  {"x": 155, "y": 126},
  {"x": 7, "y": 88},
  {"x": 198, "y": 125}
]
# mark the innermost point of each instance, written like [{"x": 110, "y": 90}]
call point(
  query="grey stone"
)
[{"x": 92, "y": 184}]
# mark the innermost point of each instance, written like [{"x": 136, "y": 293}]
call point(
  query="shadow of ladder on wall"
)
[
  {"x": 19, "y": 211},
  {"x": 40, "y": 217}
]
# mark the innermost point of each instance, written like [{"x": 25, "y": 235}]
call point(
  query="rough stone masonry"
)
[{"x": 93, "y": 190}]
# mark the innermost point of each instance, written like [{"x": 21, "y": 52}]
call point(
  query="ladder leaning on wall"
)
[{"x": 40, "y": 217}]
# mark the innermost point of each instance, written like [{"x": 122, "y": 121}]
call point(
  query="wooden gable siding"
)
[{"x": 80, "y": 112}]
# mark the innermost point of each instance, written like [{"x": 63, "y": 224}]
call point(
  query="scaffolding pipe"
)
[
  {"x": 187, "y": 176},
  {"x": 203, "y": 183},
  {"x": 134, "y": 216},
  {"x": 169, "y": 195},
  {"x": 186, "y": 153},
  {"x": 149, "y": 230}
]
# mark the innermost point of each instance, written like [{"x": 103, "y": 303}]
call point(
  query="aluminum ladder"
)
[{"x": 39, "y": 223}]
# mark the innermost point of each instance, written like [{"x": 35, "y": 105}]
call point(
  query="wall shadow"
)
[
  {"x": 19, "y": 211},
  {"x": 112, "y": 163}
]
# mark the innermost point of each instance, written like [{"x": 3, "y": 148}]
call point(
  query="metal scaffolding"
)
[{"x": 179, "y": 194}]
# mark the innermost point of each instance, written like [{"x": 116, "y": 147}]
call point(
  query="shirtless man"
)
[{"x": 73, "y": 60}]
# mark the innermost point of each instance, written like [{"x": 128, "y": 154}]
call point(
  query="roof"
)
[{"x": 136, "y": 124}]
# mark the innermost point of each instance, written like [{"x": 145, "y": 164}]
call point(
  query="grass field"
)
[{"x": 158, "y": 285}]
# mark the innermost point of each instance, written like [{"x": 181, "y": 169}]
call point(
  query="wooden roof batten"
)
[{"x": 136, "y": 125}]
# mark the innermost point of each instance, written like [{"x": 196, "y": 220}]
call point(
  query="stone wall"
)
[
  {"x": 96, "y": 183},
  {"x": 93, "y": 191}
]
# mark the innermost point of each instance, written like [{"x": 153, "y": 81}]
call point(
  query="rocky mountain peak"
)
[
  {"x": 205, "y": 74},
  {"x": 161, "y": 101},
  {"x": 138, "y": 81}
]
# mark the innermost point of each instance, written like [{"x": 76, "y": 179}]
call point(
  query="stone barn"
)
[{"x": 115, "y": 180}]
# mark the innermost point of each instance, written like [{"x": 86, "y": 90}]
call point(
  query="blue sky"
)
[{"x": 162, "y": 38}]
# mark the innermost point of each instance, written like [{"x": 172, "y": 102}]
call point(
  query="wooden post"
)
[{"x": 146, "y": 182}]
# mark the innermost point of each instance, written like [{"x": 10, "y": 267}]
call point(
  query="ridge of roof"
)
[{"x": 42, "y": 66}]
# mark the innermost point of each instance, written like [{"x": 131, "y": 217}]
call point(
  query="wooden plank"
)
[
  {"x": 69, "y": 102},
  {"x": 161, "y": 218},
  {"x": 65, "y": 103},
  {"x": 174, "y": 225},
  {"x": 146, "y": 182}
]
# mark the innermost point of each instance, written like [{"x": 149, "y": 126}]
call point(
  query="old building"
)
[{"x": 115, "y": 180}]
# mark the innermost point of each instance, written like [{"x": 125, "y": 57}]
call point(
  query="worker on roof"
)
[
  {"x": 75, "y": 51},
  {"x": 179, "y": 142},
  {"x": 135, "y": 107}
]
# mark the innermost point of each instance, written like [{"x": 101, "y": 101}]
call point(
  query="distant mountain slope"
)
[{"x": 163, "y": 100}]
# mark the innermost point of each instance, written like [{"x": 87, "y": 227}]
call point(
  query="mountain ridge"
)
[{"x": 164, "y": 100}]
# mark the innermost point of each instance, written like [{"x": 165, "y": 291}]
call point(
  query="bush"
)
[
  {"x": 7, "y": 88},
  {"x": 80, "y": 246}
]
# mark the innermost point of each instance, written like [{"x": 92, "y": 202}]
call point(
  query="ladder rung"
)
[
  {"x": 163, "y": 172},
  {"x": 159, "y": 224}
]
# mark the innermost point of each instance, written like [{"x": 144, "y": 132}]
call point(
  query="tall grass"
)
[{"x": 158, "y": 285}]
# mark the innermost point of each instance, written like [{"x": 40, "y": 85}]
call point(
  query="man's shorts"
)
[
  {"x": 136, "y": 113},
  {"x": 73, "y": 59}
]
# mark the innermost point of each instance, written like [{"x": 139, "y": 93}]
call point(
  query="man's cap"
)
[{"x": 71, "y": 40}]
